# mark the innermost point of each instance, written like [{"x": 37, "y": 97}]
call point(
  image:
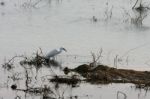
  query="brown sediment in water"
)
[
  {"x": 73, "y": 80},
  {"x": 105, "y": 74}
]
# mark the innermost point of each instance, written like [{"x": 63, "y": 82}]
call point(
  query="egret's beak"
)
[{"x": 65, "y": 50}]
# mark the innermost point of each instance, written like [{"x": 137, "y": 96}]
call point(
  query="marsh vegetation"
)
[
  {"x": 118, "y": 71},
  {"x": 23, "y": 76}
]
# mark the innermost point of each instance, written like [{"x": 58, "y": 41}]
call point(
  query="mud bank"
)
[{"x": 102, "y": 74}]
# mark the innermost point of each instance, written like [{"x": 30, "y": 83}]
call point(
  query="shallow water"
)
[
  {"x": 68, "y": 23},
  {"x": 87, "y": 91}
]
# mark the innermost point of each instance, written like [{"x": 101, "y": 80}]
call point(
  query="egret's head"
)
[{"x": 63, "y": 49}]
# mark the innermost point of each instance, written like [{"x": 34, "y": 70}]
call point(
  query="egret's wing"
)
[{"x": 52, "y": 53}]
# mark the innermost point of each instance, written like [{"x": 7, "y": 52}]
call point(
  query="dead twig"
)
[
  {"x": 96, "y": 58},
  {"x": 119, "y": 92}
]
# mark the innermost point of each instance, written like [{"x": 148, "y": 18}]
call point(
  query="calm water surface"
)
[{"x": 68, "y": 23}]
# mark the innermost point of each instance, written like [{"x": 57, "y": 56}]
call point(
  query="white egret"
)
[{"x": 54, "y": 52}]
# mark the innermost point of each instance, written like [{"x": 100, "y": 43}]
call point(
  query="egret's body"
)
[{"x": 54, "y": 53}]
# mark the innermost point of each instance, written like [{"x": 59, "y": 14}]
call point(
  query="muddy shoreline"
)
[{"x": 103, "y": 74}]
